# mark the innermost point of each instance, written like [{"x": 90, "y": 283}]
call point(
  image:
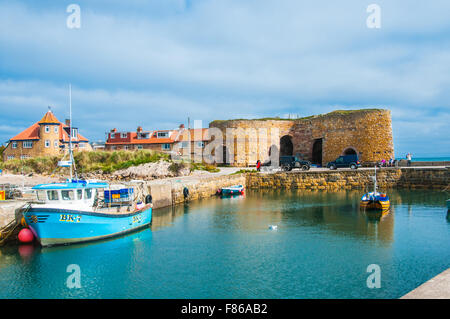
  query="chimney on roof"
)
[
  {"x": 181, "y": 126},
  {"x": 114, "y": 130},
  {"x": 67, "y": 122},
  {"x": 139, "y": 129}
]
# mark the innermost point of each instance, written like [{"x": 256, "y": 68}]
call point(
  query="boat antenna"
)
[{"x": 72, "y": 162}]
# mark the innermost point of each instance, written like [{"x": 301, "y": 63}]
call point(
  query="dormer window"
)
[
  {"x": 123, "y": 135},
  {"x": 143, "y": 136},
  {"x": 163, "y": 134}
]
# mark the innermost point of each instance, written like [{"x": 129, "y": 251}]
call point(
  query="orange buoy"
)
[{"x": 26, "y": 236}]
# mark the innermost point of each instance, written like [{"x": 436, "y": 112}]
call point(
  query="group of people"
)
[{"x": 391, "y": 162}]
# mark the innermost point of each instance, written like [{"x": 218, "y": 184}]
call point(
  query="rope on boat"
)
[{"x": 8, "y": 230}]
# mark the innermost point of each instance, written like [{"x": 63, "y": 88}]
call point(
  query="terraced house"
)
[
  {"x": 177, "y": 140},
  {"x": 45, "y": 138}
]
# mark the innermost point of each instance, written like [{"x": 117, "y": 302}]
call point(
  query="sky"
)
[{"x": 157, "y": 63}]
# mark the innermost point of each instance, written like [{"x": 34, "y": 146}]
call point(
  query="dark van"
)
[{"x": 351, "y": 161}]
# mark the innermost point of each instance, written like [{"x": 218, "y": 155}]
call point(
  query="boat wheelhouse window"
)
[
  {"x": 52, "y": 195},
  {"x": 88, "y": 193},
  {"x": 67, "y": 195},
  {"x": 79, "y": 193},
  {"x": 41, "y": 195}
]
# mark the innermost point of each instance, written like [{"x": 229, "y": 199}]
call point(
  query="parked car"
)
[
  {"x": 287, "y": 163},
  {"x": 351, "y": 161}
]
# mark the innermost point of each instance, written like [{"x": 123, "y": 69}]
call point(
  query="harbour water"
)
[{"x": 223, "y": 248}]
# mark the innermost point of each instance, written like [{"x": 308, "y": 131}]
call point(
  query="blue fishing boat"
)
[
  {"x": 76, "y": 211},
  {"x": 232, "y": 190}
]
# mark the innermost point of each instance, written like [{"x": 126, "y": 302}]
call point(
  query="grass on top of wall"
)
[{"x": 104, "y": 161}]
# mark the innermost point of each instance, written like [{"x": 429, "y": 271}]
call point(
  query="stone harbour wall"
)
[
  {"x": 320, "y": 138},
  {"x": 170, "y": 192},
  {"x": 435, "y": 178}
]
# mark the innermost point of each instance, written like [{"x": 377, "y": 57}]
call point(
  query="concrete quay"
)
[{"x": 435, "y": 288}]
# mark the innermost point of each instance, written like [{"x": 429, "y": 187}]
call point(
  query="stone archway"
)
[
  {"x": 225, "y": 155},
  {"x": 349, "y": 151},
  {"x": 286, "y": 146},
  {"x": 317, "y": 151}
]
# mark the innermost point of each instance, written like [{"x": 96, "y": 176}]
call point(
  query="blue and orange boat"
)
[
  {"x": 375, "y": 200},
  {"x": 73, "y": 212}
]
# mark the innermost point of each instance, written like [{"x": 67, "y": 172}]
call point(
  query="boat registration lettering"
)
[
  {"x": 137, "y": 219},
  {"x": 69, "y": 218}
]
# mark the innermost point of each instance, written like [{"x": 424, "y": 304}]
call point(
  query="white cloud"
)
[{"x": 226, "y": 59}]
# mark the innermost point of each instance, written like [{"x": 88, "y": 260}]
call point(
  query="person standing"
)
[
  {"x": 408, "y": 158},
  {"x": 258, "y": 165}
]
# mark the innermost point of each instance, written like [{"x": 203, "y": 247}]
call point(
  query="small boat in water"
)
[
  {"x": 232, "y": 190},
  {"x": 375, "y": 200}
]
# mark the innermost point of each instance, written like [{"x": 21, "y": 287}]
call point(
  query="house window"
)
[
  {"x": 126, "y": 147},
  {"x": 81, "y": 145},
  {"x": 112, "y": 135},
  {"x": 55, "y": 143},
  {"x": 56, "y": 129},
  {"x": 10, "y": 157},
  {"x": 14, "y": 145},
  {"x": 22, "y": 157},
  {"x": 113, "y": 147},
  {"x": 47, "y": 143},
  {"x": 47, "y": 129},
  {"x": 123, "y": 135},
  {"x": 201, "y": 144},
  {"x": 139, "y": 147},
  {"x": 27, "y": 144},
  {"x": 184, "y": 144},
  {"x": 166, "y": 147},
  {"x": 163, "y": 134}
]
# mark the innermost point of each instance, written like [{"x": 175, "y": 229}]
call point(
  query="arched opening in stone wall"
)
[
  {"x": 317, "y": 151},
  {"x": 226, "y": 155},
  {"x": 350, "y": 151},
  {"x": 286, "y": 146}
]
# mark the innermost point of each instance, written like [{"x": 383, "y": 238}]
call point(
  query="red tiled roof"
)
[
  {"x": 32, "y": 133},
  {"x": 49, "y": 118},
  {"x": 132, "y": 138},
  {"x": 176, "y": 136}
]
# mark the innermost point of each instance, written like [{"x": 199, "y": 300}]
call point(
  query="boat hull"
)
[
  {"x": 53, "y": 226},
  {"x": 231, "y": 191},
  {"x": 375, "y": 205}
]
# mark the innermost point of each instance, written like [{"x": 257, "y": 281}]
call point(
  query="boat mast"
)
[
  {"x": 70, "y": 130},
  {"x": 375, "y": 182}
]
